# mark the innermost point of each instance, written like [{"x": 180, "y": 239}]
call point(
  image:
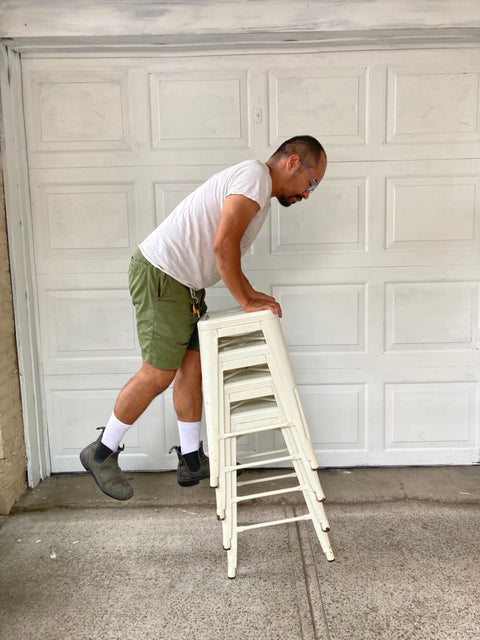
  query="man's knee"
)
[
  {"x": 191, "y": 368},
  {"x": 158, "y": 379}
]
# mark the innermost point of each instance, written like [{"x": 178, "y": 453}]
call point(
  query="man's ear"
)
[{"x": 292, "y": 162}]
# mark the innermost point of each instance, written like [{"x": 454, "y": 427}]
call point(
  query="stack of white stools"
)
[{"x": 249, "y": 388}]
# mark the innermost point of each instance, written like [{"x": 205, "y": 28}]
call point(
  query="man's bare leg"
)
[
  {"x": 187, "y": 388},
  {"x": 101, "y": 457},
  {"x": 187, "y": 399},
  {"x": 138, "y": 393}
]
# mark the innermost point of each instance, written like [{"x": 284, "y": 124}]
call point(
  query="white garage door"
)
[{"x": 378, "y": 273}]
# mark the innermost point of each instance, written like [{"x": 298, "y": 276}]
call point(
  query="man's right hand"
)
[{"x": 259, "y": 304}]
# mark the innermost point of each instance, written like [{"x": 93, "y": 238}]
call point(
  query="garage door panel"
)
[
  {"x": 336, "y": 416},
  {"x": 77, "y": 217},
  {"x": 87, "y": 324},
  {"x": 333, "y": 104},
  {"x": 431, "y": 415},
  {"x": 88, "y": 220},
  {"x": 427, "y": 104},
  {"x": 194, "y": 109},
  {"x": 432, "y": 212},
  {"x": 100, "y": 121},
  {"x": 207, "y": 112},
  {"x": 432, "y": 316},
  {"x": 77, "y": 405},
  {"x": 324, "y": 317}
]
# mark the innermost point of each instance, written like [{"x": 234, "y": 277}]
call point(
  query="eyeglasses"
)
[{"x": 314, "y": 184}]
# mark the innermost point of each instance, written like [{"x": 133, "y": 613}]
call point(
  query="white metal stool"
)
[{"x": 249, "y": 387}]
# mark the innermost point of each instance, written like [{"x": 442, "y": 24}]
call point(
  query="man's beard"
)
[{"x": 286, "y": 202}]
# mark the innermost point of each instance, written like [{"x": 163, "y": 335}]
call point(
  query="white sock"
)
[
  {"x": 114, "y": 432},
  {"x": 189, "y": 433}
]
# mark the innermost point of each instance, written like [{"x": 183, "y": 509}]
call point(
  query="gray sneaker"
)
[
  {"x": 107, "y": 474},
  {"x": 187, "y": 478}
]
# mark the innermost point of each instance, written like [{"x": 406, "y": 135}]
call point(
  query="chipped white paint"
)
[{"x": 60, "y": 18}]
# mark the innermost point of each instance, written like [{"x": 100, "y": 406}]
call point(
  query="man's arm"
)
[
  {"x": 253, "y": 293},
  {"x": 237, "y": 213}
]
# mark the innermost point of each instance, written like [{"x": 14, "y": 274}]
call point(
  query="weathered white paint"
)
[
  {"x": 77, "y": 18},
  {"x": 14, "y": 165}
]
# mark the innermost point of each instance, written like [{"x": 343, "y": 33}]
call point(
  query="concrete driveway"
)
[{"x": 76, "y": 565}]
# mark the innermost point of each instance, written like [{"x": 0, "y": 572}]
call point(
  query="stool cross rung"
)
[
  {"x": 251, "y": 465},
  {"x": 265, "y": 494},
  {"x": 262, "y": 454},
  {"x": 258, "y": 525},
  {"x": 268, "y": 479},
  {"x": 247, "y": 432}
]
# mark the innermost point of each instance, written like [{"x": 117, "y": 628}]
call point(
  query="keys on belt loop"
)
[{"x": 195, "y": 304}]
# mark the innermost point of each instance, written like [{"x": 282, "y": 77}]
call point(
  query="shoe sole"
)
[
  {"x": 191, "y": 483},
  {"x": 87, "y": 468}
]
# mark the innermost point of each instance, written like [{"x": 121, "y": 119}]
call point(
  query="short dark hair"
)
[{"x": 307, "y": 147}]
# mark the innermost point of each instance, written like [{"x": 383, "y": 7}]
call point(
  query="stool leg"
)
[
  {"x": 315, "y": 508},
  {"x": 284, "y": 380},
  {"x": 306, "y": 476},
  {"x": 303, "y": 430},
  {"x": 222, "y": 483},
  {"x": 288, "y": 392},
  {"x": 302, "y": 442},
  {"x": 232, "y": 559},
  {"x": 211, "y": 396},
  {"x": 321, "y": 534},
  {"x": 286, "y": 395},
  {"x": 224, "y": 480},
  {"x": 311, "y": 473},
  {"x": 231, "y": 519},
  {"x": 229, "y": 479}
]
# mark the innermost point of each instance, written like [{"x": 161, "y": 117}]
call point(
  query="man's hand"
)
[
  {"x": 260, "y": 305},
  {"x": 259, "y": 301}
]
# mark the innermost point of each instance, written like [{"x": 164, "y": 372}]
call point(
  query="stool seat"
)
[{"x": 249, "y": 388}]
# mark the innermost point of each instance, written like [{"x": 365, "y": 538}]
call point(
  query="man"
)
[{"x": 199, "y": 243}]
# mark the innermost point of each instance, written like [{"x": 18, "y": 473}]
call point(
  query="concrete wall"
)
[{"x": 12, "y": 446}]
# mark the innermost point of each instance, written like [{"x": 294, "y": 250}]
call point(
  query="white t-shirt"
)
[{"x": 182, "y": 245}]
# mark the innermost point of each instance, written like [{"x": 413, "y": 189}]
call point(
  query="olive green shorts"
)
[{"x": 166, "y": 322}]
